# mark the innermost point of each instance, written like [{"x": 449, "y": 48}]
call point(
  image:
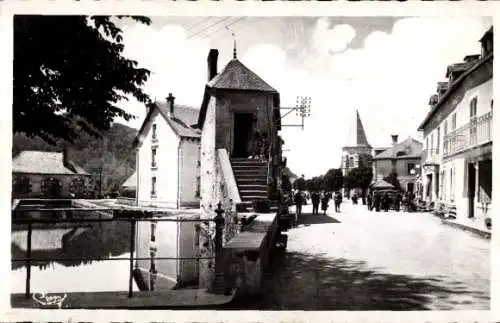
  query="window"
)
[
  {"x": 491, "y": 104},
  {"x": 154, "y": 132},
  {"x": 452, "y": 188},
  {"x": 153, "y": 157},
  {"x": 454, "y": 121},
  {"x": 153, "y": 187},
  {"x": 473, "y": 108},
  {"x": 432, "y": 143},
  {"x": 427, "y": 143},
  {"x": 411, "y": 166},
  {"x": 438, "y": 140}
]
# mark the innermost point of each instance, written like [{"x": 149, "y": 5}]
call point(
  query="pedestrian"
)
[
  {"x": 386, "y": 202},
  {"x": 337, "y": 201},
  {"x": 376, "y": 201},
  {"x": 297, "y": 199},
  {"x": 369, "y": 201},
  {"x": 399, "y": 197},
  {"x": 324, "y": 203},
  {"x": 315, "y": 199}
]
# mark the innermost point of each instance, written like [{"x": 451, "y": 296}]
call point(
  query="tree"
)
[
  {"x": 70, "y": 69},
  {"x": 300, "y": 183},
  {"x": 392, "y": 178},
  {"x": 360, "y": 177},
  {"x": 333, "y": 179}
]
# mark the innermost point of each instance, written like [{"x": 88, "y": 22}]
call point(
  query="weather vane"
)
[{"x": 234, "y": 40}]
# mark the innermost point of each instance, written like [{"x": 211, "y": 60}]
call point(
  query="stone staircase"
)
[{"x": 251, "y": 179}]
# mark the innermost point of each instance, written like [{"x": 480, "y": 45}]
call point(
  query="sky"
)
[{"x": 384, "y": 67}]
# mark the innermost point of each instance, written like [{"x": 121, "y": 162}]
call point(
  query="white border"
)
[{"x": 223, "y": 8}]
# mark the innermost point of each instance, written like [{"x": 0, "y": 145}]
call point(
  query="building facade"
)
[
  {"x": 457, "y": 159},
  {"x": 403, "y": 158},
  {"x": 167, "y": 159},
  {"x": 49, "y": 175}
]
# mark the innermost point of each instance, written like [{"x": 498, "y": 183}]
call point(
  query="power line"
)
[
  {"x": 191, "y": 27},
  {"x": 216, "y": 23},
  {"x": 228, "y": 25}
]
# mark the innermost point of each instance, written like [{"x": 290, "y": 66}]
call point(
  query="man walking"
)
[
  {"x": 338, "y": 201},
  {"x": 369, "y": 201},
  {"x": 315, "y": 202},
  {"x": 298, "y": 205}
]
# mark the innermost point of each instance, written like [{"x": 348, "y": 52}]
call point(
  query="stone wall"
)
[{"x": 79, "y": 185}]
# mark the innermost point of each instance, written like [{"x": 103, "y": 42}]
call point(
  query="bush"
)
[{"x": 261, "y": 206}]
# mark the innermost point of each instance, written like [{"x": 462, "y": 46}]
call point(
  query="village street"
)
[{"x": 362, "y": 260}]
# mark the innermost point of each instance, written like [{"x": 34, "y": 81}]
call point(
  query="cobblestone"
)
[{"x": 361, "y": 260}]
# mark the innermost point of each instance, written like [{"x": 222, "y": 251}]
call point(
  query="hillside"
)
[{"x": 114, "y": 153}]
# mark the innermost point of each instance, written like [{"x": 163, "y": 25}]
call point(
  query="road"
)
[{"x": 362, "y": 260}]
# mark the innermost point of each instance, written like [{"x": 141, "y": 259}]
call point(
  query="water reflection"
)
[{"x": 71, "y": 247}]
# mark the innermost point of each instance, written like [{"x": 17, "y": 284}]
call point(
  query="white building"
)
[
  {"x": 168, "y": 157},
  {"x": 457, "y": 169}
]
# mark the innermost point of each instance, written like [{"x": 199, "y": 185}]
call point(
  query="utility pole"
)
[{"x": 302, "y": 109}]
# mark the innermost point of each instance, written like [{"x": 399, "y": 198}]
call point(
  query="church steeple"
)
[{"x": 357, "y": 135}]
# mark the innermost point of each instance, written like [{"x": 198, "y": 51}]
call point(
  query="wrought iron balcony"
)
[{"x": 475, "y": 133}]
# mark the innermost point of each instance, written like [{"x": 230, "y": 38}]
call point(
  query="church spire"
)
[{"x": 357, "y": 135}]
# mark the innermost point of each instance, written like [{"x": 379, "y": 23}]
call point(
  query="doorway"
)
[
  {"x": 471, "y": 188},
  {"x": 242, "y": 134},
  {"x": 410, "y": 187}
]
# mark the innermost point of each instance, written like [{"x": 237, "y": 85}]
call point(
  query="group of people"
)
[
  {"x": 260, "y": 146},
  {"x": 383, "y": 201},
  {"x": 317, "y": 198}
]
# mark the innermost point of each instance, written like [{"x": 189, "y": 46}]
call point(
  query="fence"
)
[{"x": 131, "y": 216}]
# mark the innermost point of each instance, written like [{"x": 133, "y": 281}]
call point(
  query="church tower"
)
[{"x": 357, "y": 151}]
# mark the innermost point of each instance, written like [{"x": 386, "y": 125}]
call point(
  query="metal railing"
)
[
  {"x": 132, "y": 216},
  {"x": 475, "y": 133}
]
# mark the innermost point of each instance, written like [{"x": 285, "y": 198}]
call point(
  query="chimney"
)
[
  {"x": 213, "y": 56},
  {"x": 170, "y": 104},
  {"x": 394, "y": 139}
]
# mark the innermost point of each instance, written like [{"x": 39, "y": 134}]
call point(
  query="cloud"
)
[
  {"x": 328, "y": 40},
  {"x": 388, "y": 80}
]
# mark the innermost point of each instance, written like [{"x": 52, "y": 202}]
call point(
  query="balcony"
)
[
  {"x": 473, "y": 134},
  {"x": 431, "y": 157}
]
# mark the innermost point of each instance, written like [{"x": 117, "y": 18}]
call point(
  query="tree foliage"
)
[
  {"x": 300, "y": 183},
  {"x": 71, "y": 69},
  {"x": 333, "y": 179},
  {"x": 359, "y": 177}
]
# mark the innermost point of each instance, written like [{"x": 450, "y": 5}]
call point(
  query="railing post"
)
[
  {"x": 131, "y": 265},
  {"x": 219, "y": 229},
  {"x": 28, "y": 261}
]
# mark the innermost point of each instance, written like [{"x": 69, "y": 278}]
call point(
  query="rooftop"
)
[
  {"x": 409, "y": 148},
  {"x": 44, "y": 162}
]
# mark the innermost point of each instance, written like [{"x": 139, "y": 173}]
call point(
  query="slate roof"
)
[
  {"x": 357, "y": 135},
  {"x": 236, "y": 76},
  {"x": 488, "y": 33},
  {"x": 182, "y": 121},
  {"x": 459, "y": 67},
  {"x": 131, "y": 182},
  {"x": 43, "y": 162},
  {"x": 380, "y": 183},
  {"x": 410, "y": 147}
]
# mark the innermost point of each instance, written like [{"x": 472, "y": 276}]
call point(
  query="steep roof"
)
[
  {"x": 236, "y": 76},
  {"x": 409, "y": 148},
  {"x": 453, "y": 87},
  {"x": 183, "y": 121},
  {"x": 131, "y": 182},
  {"x": 44, "y": 162},
  {"x": 357, "y": 135}
]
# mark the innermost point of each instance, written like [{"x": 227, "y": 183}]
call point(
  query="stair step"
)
[
  {"x": 253, "y": 192},
  {"x": 251, "y": 180},
  {"x": 252, "y": 187},
  {"x": 245, "y": 170}
]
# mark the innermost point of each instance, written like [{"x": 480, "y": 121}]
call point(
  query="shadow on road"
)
[
  {"x": 309, "y": 218},
  {"x": 305, "y": 282}
]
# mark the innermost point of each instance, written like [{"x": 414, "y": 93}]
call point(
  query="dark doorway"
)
[
  {"x": 429, "y": 186},
  {"x": 471, "y": 188},
  {"x": 410, "y": 187},
  {"x": 243, "y": 127}
]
